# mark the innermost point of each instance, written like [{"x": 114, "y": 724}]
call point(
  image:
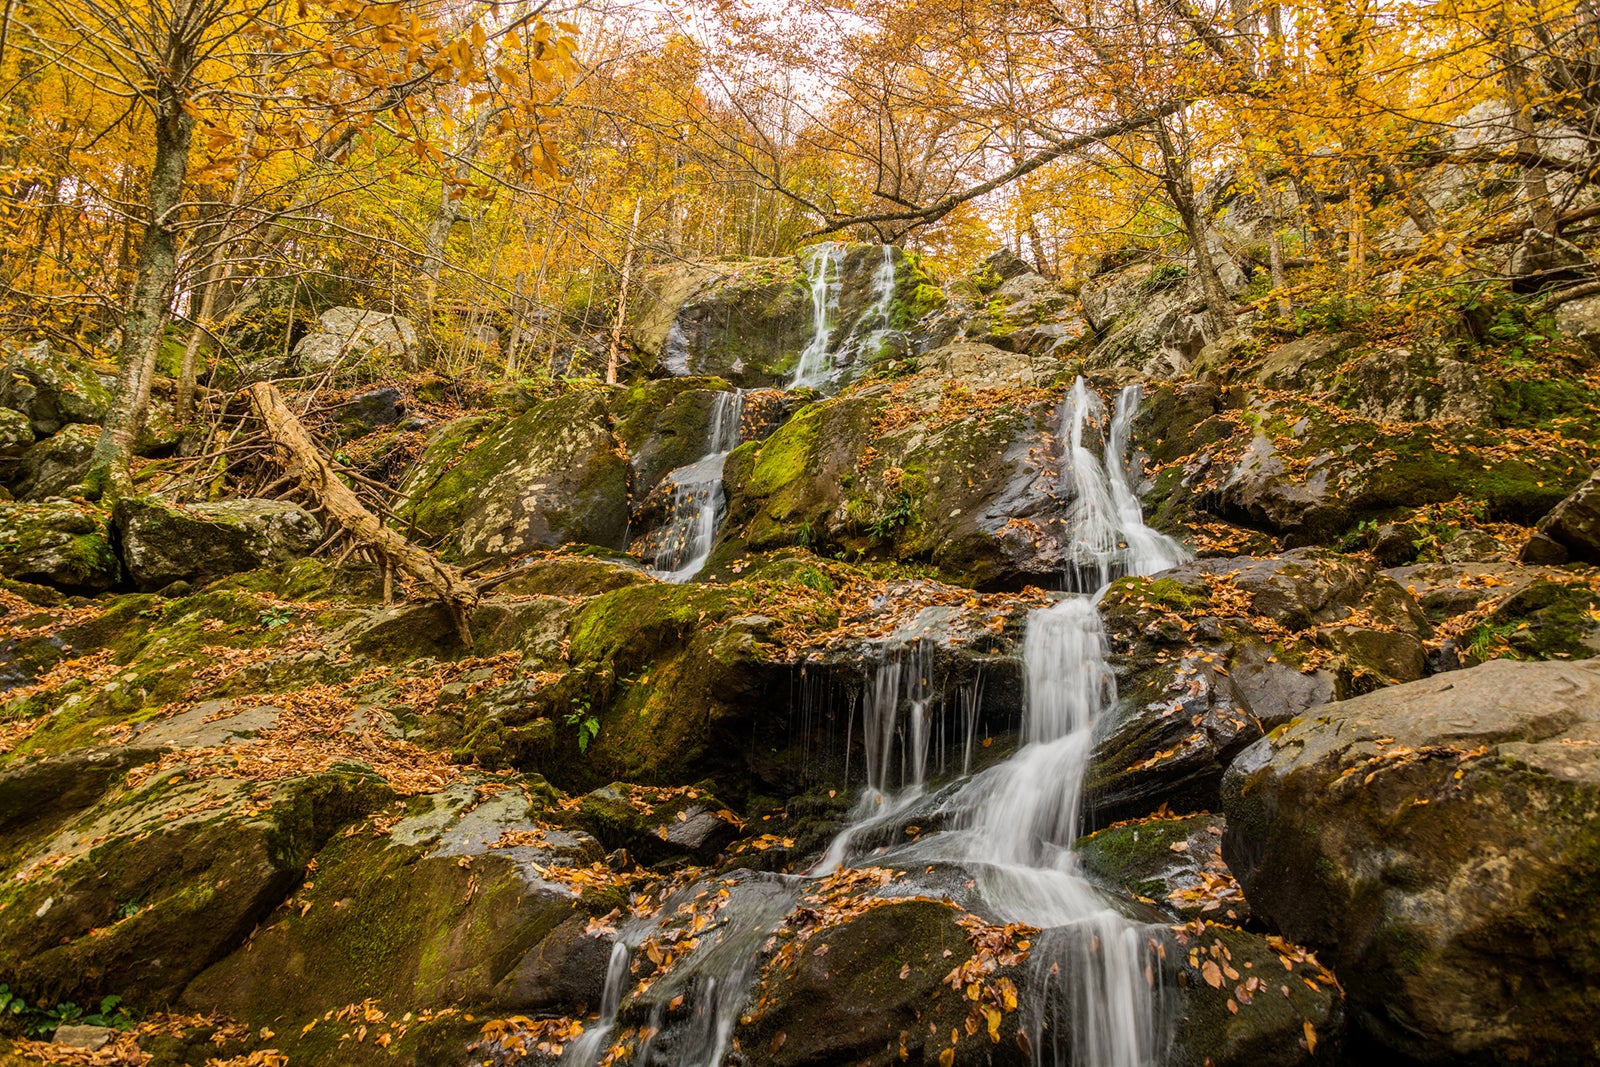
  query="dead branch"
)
[{"x": 299, "y": 455}]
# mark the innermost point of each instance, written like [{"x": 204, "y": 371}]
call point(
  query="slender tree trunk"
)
[
  {"x": 1180, "y": 190},
  {"x": 152, "y": 287},
  {"x": 622, "y": 296},
  {"x": 450, "y": 200},
  {"x": 216, "y": 274}
]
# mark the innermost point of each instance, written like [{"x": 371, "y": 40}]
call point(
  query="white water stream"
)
[
  {"x": 822, "y": 362},
  {"x": 697, "y": 497}
]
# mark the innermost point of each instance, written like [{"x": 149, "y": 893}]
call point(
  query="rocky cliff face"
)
[{"x": 1342, "y": 785}]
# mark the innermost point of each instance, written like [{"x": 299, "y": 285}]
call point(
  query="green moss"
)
[{"x": 787, "y": 455}]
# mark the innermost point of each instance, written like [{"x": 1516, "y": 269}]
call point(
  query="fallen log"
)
[{"x": 300, "y": 458}]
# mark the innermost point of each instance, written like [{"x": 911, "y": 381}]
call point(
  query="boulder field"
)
[{"x": 1339, "y": 805}]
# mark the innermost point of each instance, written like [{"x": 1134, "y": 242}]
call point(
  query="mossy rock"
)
[
  {"x": 424, "y": 915},
  {"x": 58, "y": 543},
  {"x": 56, "y": 466},
  {"x": 52, "y": 389},
  {"x": 148, "y": 888},
  {"x": 164, "y": 541},
  {"x": 1544, "y": 620},
  {"x": 940, "y": 487},
  {"x": 1376, "y": 831},
  {"x": 552, "y": 475}
]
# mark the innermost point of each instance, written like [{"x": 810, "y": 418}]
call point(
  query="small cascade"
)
[
  {"x": 697, "y": 498},
  {"x": 897, "y": 710},
  {"x": 823, "y": 271},
  {"x": 587, "y": 1050},
  {"x": 1095, "y": 999},
  {"x": 1109, "y": 537}
]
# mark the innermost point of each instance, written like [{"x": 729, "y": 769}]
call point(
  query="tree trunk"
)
[
  {"x": 1180, "y": 190},
  {"x": 216, "y": 275},
  {"x": 1535, "y": 182},
  {"x": 622, "y": 296},
  {"x": 301, "y": 459},
  {"x": 450, "y": 201},
  {"x": 152, "y": 287}
]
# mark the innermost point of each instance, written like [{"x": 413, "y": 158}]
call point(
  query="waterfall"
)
[
  {"x": 867, "y": 336},
  {"x": 591, "y": 1045},
  {"x": 822, "y": 280},
  {"x": 897, "y": 706},
  {"x": 697, "y": 499},
  {"x": 1095, "y": 1000},
  {"x": 821, "y": 361},
  {"x": 1109, "y": 537},
  {"x": 1094, "y": 996}
]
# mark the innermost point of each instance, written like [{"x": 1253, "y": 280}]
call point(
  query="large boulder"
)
[
  {"x": 1310, "y": 474},
  {"x": 164, "y": 541},
  {"x": 1437, "y": 840},
  {"x": 51, "y": 389},
  {"x": 916, "y": 469},
  {"x": 58, "y": 543},
  {"x": 56, "y": 466},
  {"x": 554, "y": 474},
  {"x": 141, "y": 893},
  {"x": 16, "y": 437},
  {"x": 347, "y": 336},
  {"x": 1575, "y": 522},
  {"x": 1212, "y": 653},
  {"x": 431, "y": 909},
  {"x": 1580, "y": 320}
]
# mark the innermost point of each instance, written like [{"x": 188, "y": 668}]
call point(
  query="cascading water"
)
[
  {"x": 1095, "y": 996},
  {"x": 1015, "y": 823},
  {"x": 1109, "y": 535},
  {"x": 697, "y": 499},
  {"x": 822, "y": 279},
  {"x": 867, "y": 336},
  {"x": 821, "y": 361}
]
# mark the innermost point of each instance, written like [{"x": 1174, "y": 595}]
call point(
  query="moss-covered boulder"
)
[
  {"x": 58, "y": 543},
  {"x": 51, "y": 389},
  {"x": 429, "y": 905},
  {"x": 552, "y": 475},
  {"x": 16, "y": 437},
  {"x": 56, "y": 465},
  {"x": 1251, "y": 1001},
  {"x": 1174, "y": 864},
  {"x": 664, "y": 685},
  {"x": 1436, "y": 842},
  {"x": 1212, "y": 653},
  {"x": 1310, "y": 473},
  {"x": 144, "y": 891},
  {"x": 922, "y": 469},
  {"x": 165, "y": 541},
  {"x": 871, "y": 989}
]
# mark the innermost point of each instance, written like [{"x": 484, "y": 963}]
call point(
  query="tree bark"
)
[
  {"x": 301, "y": 459},
  {"x": 1180, "y": 190},
  {"x": 615, "y": 357},
  {"x": 152, "y": 288},
  {"x": 216, "y": 274}
]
